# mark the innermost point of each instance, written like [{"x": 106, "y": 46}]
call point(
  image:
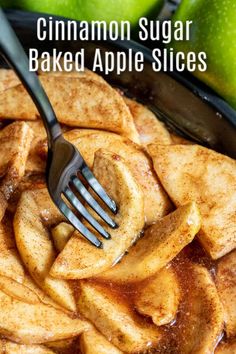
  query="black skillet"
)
[{"x": 185, "y": 105}]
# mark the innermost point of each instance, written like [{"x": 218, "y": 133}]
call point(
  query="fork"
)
[{"x": 66, "y": 168}]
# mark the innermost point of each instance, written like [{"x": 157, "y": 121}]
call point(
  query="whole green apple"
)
[
  {"x": 213, "y": 31},
  {"x": 88, "y": 10}
]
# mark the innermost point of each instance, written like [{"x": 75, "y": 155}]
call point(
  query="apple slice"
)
[
  {"x": 226, "y": 285},
  {"x": 150, "y": 129},
  {"x": 35, "y": 163},
  {"x": 194, "y": 173},
  {"x": 40, "y": 294},
  {"x": 79, "y": 259},
  {"x": 28, "y": 181},
  {"x": 61, "y": 235},
  {"x": 160, "y": 244},
  {"x": 34, "y": 212},
  {"x": 78, "y": 102},
  {"x": 8, "y": 79},
  {"x": 10, "y": 264},
  {"x": 200, "y": 321},
  {"x": 159, "y": 297},
  {"x": 15, "y": 141},
  {"x": 36, "y": 323},
  {"x": 115, "y": 319},
  {"x": 15, "y": 348},
  {"x": 18, "y": 291},
  {"x": 156, "y": 201},
  {"x": 94, "y": 342}
]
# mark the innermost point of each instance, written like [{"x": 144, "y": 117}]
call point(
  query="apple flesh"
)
[{"x": 213, "y": 31}]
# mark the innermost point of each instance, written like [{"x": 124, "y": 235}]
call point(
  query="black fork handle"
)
[{"x": 14, "y": 54}]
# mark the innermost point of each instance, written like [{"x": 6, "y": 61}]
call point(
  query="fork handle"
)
[{"x": 14, "y": 54}]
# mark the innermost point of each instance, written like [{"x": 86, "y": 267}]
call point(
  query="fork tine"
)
[
  {"x": 92, "y": 181},
  {"x": 78, "y": 225},
  {"x": 83, "y": 211},
  {"x": 92, "y": 202}
]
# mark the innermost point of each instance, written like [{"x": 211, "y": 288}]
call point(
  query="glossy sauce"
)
[{"x": 173, "y": 334}]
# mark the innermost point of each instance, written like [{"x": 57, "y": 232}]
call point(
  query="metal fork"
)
[{"x": 64, "y": 163}]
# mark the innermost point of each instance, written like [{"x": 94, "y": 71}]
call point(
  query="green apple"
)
[
  {"x": 213, "y": 31},
  {"x": 88, "y": 10}
]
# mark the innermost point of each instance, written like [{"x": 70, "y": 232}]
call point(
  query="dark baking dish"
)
[{"x": 186, "y": 106}]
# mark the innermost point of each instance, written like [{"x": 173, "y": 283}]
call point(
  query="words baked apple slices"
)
[
  {"x": 194, "y": 173},
  {"x": 159, "y": 297},
  {"x": 10, "y": 263},
  {"x": 160, "y": 244},
  {"x": 150, "y": 129},
  {"x": 79, "y": 259},
  {"x": 92, "y": 342},
  {"x": 35, "y": 210},
  {"x": 226, "y": 285},
  {"x": 15, "y": 141},
  {"x": 115, "y": 319},
  {"x": 36, "y": 323},
  {"x": 78, "y": 102},
  {"x": 156, "y": 201}
]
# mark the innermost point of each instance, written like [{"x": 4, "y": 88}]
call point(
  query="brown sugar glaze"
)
[{"x": 173, "y": 334}]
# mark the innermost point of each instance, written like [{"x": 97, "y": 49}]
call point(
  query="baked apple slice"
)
[
  {"x": 200, "y": 322},
  {"x": 15, "y": 141},
  {"x": 115, "y": 319},
  {"x": 61, "y": 235},
  {"x": 150, "y": 129},
  {"x": 8, "y": 347},
  {"x": 18, "y": 291},
  {"x": 41, "y": 294},
  {"x": 32, "y": 220},
  {"x": 10, "y": 263},
  {"x": 226, "y": 285},
  {"x": 92, "y": 342},
  {"x": 156, "y": 201},
  {"x": 194, "y": 173},
  {"x": 36, "y": 323},
  {"x": 160, "y": 244},
  {"x": 8, "y": 79},
  {"x": 159, "y": 297},
  {"x": 36, "y": 162},
  {"x": 79, "y": 259},
  {"x": 78, "y": 102}
]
